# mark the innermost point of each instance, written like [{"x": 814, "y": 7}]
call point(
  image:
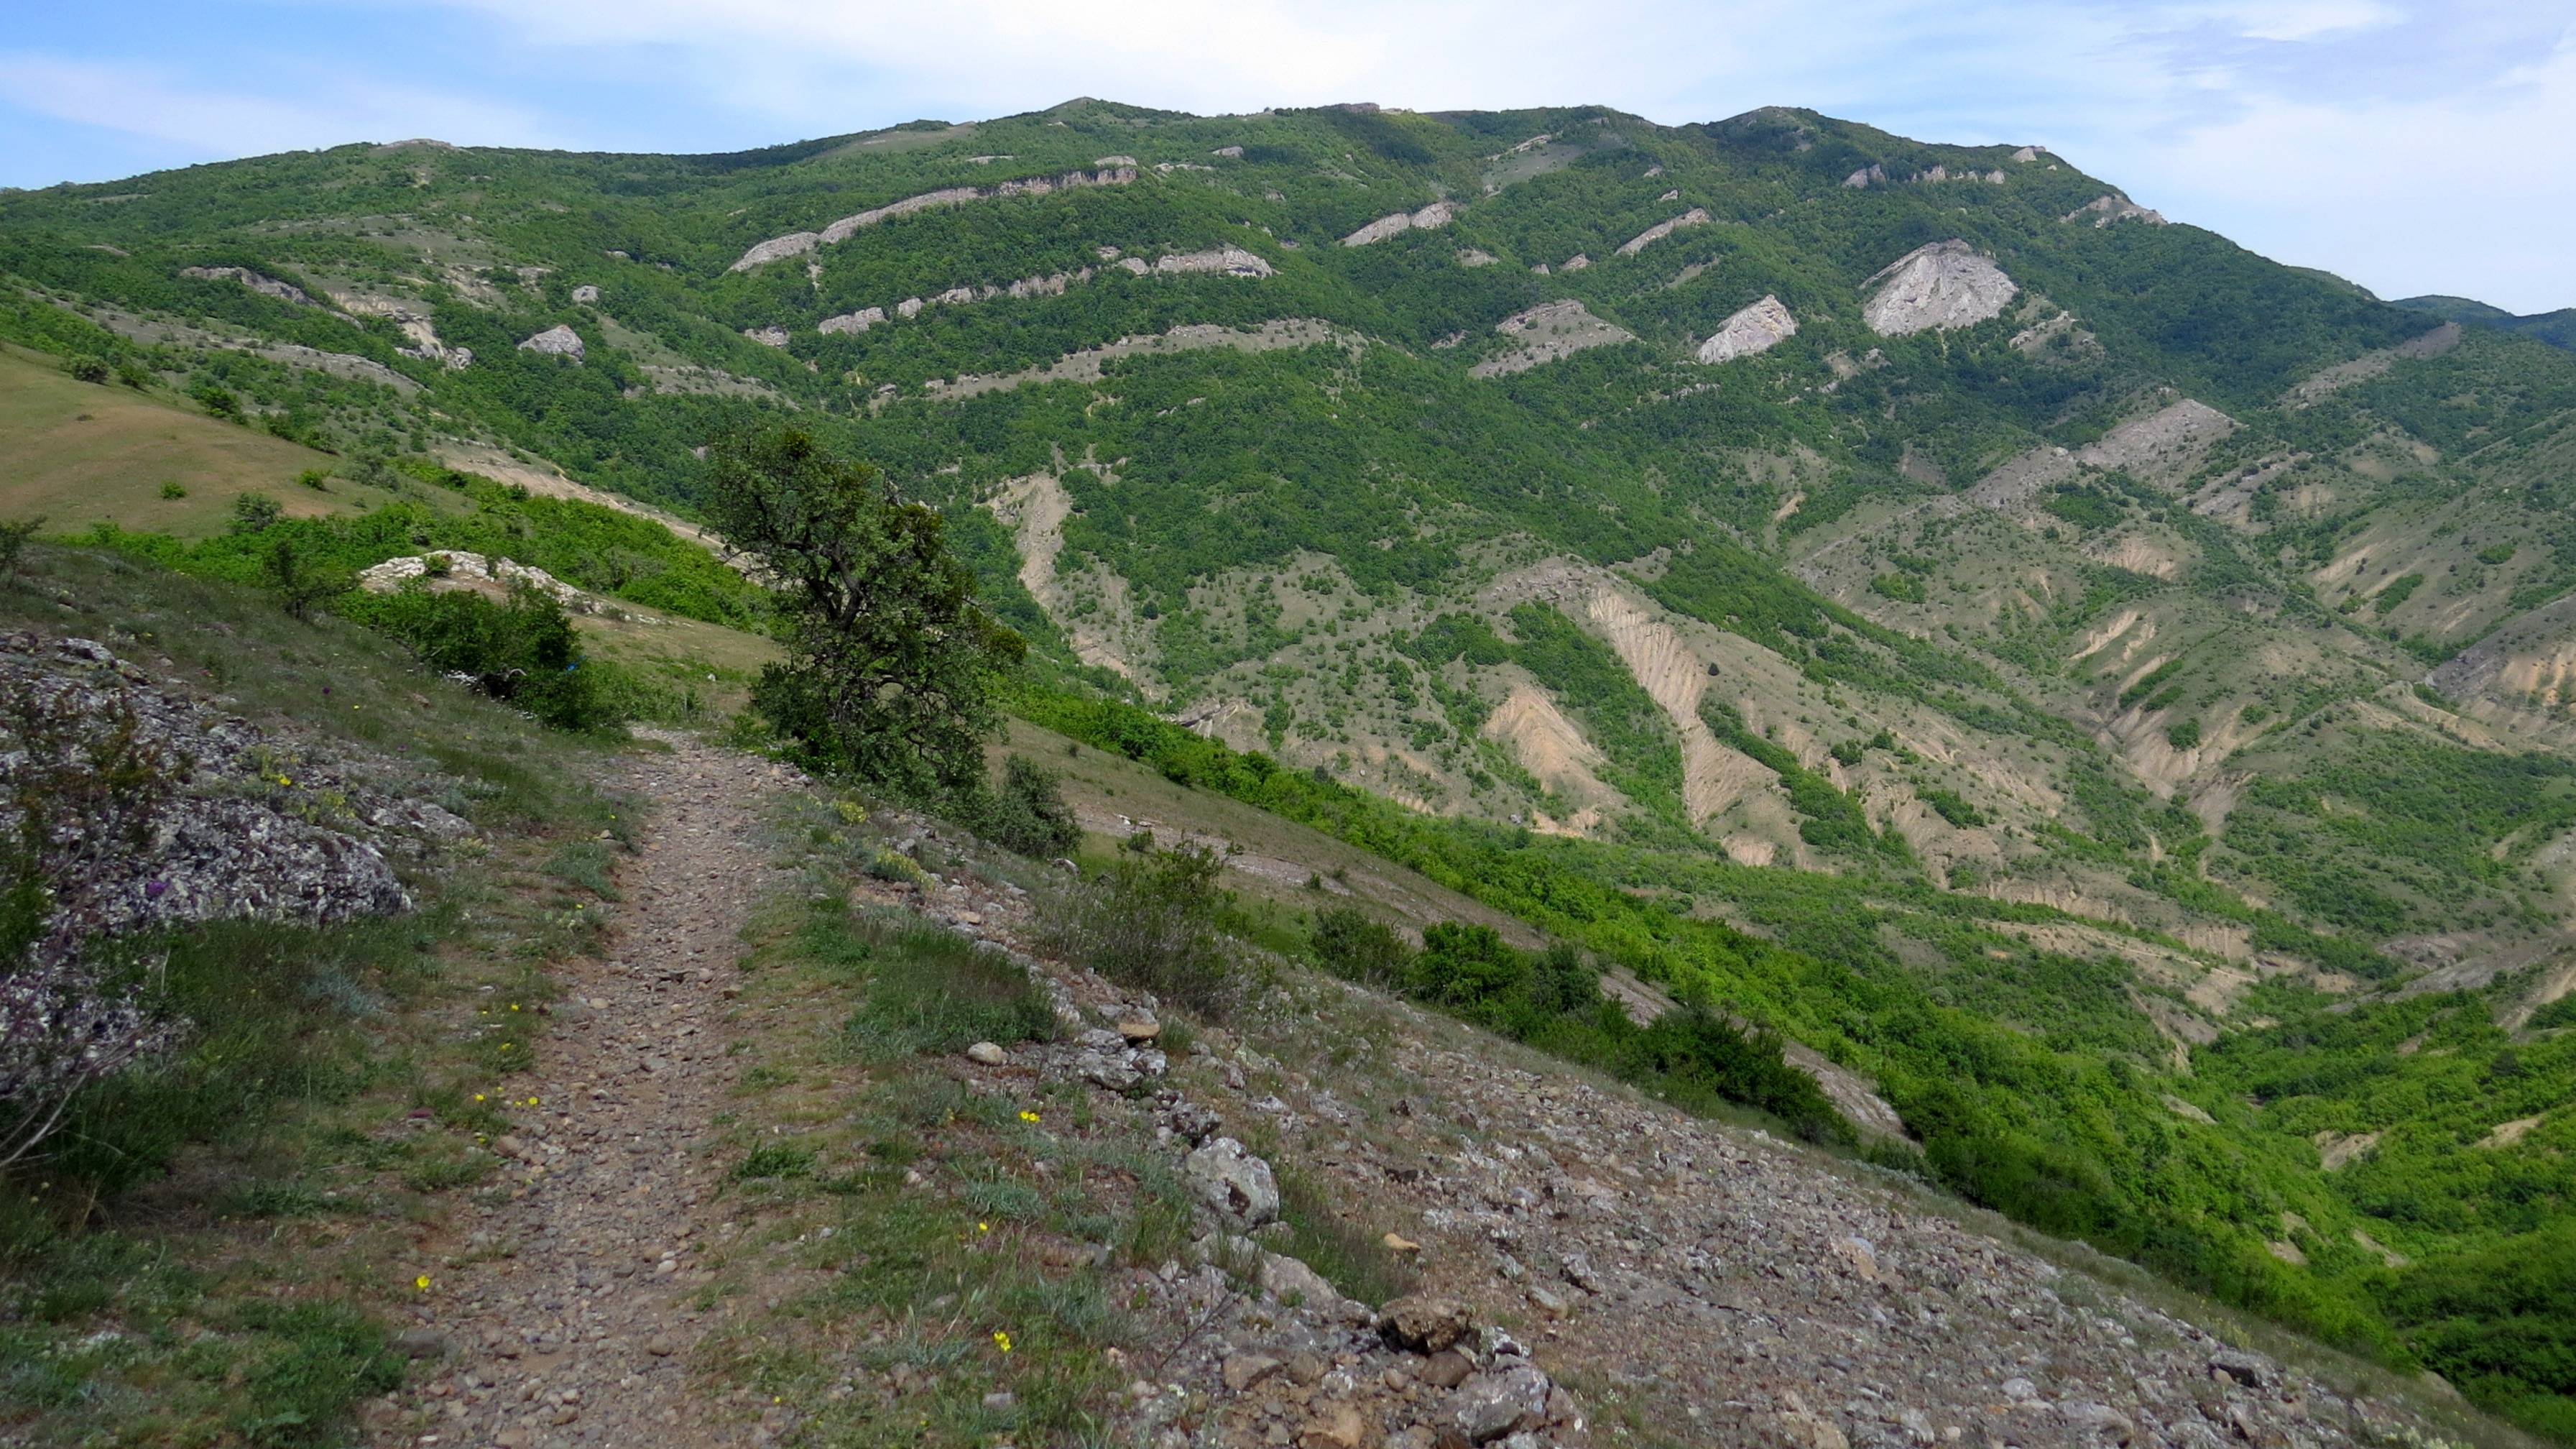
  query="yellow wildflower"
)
[
  {"x": 421, "y": 1282},
  {"x": 1028, "y": 1116},
  {"x": 1001, "y": 1340}
]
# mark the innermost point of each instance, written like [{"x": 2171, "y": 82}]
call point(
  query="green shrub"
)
[
  {"x": 1150, "y": 921},
  {"x": 2184, "y": 736},
  {"x": 524, "y": 652},
  {"x": 174, "y": 490},
  {"x": 254, "y": 512},
  {"x": 90, "y": 369},
  {"x": 1027, "y": 814},
  {"x": 1357, "y": 947}
]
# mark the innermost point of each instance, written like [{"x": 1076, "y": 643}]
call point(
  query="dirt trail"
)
[{"x": 568, "y": 1320}]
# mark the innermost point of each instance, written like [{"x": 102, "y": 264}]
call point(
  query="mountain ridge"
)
[{"x": 2042, "y": 633}]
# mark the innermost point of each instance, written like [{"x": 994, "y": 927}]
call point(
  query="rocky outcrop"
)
[
  {"x": 1546, "y": 332},
  {"x": 1233, "y": 1182},
  {"x": 1231, "y": 153},
  {"x": 859, "y": 321},
  {"x": 1477, "y": 257},
  {"x": 767, "y": 336},
  {"x": 1873, "y": 174},
  {"x": 2111, "y": 207},
  {"x": 1437, "y": 214},
  {"x": 1756, "y": 329},
  {"x": 556, "y": 341},
  {"x": 266, "y": 286},
  {"x": 585, "y": 295},
  {"x": 1696, "y": 216},
  {"x": 799, "y": 243},
  {"x": 456, "y": 568},
  {"x": 1938, "y": 287},
  {"x": 253, "y": 825},
  {"x": 1227, "y": 261}
]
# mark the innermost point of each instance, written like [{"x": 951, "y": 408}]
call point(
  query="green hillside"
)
[{"x": 2107, "y": 687}]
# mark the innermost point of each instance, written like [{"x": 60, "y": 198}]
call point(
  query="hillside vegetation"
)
[{"x": 2104, "y": 688}]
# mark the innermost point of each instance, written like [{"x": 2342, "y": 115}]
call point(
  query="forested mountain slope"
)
[{"x": 2109, "y": 687}]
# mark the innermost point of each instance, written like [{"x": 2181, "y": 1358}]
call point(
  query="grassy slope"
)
[
  {"x": 249, "y": 1292},
  {"x": 84, "y": 453}
]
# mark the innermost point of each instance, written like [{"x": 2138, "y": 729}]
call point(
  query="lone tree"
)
[{"x": 891, "y": 660}]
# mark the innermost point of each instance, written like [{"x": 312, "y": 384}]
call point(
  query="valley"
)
[{"x": 2099, "y": 691}]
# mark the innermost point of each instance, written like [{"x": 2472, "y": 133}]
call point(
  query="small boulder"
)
[
  {"x": 1425, "y": 1325},
  {"x": 985, "y": 1053},
  {"x": 1246, "y": 1369},
  {"x": 1488, "y": 1406},
  {"x": 1233, "y": 1181},
  {"x": 1282, "y": 1276},
  {"x": 2250, "y": 1369},
  {"x": 1446, "y": 1369}
]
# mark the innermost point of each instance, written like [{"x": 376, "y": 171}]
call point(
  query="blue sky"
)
[{"x": 2414, "y": 147}]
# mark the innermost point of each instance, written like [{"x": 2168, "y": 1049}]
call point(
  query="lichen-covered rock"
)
[
  {"x": 1233, "y": 1181},
  {"x": 585, "y": 295},
  {"x": 767, "y": 336},
  {"x": 1491, "y": 1405},
  {"x": 556, "y": 341},
  {"x": 1940, "y": 286},
  {"x": 1756, "y": 329},
  {"x": 248, "y": 831}
]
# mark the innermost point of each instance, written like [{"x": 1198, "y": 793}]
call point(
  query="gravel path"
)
[{"x": 569, "y": 1321}]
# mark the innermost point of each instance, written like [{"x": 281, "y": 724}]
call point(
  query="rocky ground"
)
[{"x": 1593, "y": 1268}]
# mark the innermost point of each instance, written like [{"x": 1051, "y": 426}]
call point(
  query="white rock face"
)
[
  {"x": 2112, "y": 207},
  {"x": 1868, "y": 176},
  {"x": 767, "y": 336},
  {"x": 1231, "y": 153},
  {"x": 1437, "y": 214},
  {"x": 1940, "y": 286},
  {"x": 556, "y": 341},
  {"x": 585, "y": 295},
  {"x": 1696, "y": 216},
  {"x": 1115, "y": 161},
  {"x": 1756, "y": 329},
  {"x": 1576, "y": 263},
  {"x": 1230, "y": 261},
  {"x": 799, "y": 243},
  {"x": 464, "y": 569},
  {"x": 1477, "y": 257},
  {"x": 859, "y": 321},
  {"x": 264, "y": 285},
  {"x": 2026, "y": 154},
  {"x": 1547, "y": 332},
  {"x": 908, "y": 308}
]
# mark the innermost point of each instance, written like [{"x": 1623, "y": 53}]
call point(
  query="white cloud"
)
[
  {"x": 153, "y": 103},
  {"x": 2408, "y": 143}
]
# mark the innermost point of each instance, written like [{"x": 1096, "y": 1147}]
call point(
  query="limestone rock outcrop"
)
[
  {"x": 2112, "y": 207},
  {"x": 1437, "y": 214},
  {"x": 1756, "y": 329},
  {"x": 1937, "y": 287},
  {"x": 798, "y": 243},
  {"x": 556, "y": 341},
  {"x": 1696, "y": 216}
]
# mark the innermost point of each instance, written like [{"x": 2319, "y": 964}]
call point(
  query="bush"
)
[
  {"x": 254, "y": 512},
  {"x": 1028, "y": 814},
  {"x": 524, "y": 652},
  {"x": 90, "y": 369},
  {"x": 13, "y": 542},
  {"x": 1150, "y": 921},
  {"x": 174, "y": 490},
  {"x": 300, "y": 578},
  {"x": 1352, "y": 945}
]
